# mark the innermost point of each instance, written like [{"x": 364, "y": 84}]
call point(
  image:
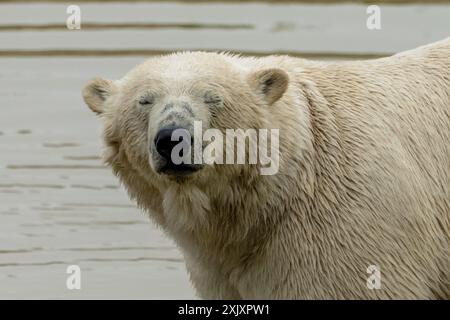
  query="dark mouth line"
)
[{"x": 180, "y": 168}]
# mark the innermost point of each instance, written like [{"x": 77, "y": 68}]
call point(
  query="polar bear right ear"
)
[
  {"x": 96, "y": 92},
  {"x": 271, "y": 83}
]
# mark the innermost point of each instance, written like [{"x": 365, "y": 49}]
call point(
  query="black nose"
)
[{"x": 164, "y": 143}]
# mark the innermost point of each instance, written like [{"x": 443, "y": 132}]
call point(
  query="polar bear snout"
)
[
  {"x": 173, "y": 145},
  {"x": 165, "y": 142}
]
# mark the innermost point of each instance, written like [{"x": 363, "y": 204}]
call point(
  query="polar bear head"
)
[{"x": 151, "y": 114}]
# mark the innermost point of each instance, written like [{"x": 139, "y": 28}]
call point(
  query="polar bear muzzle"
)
[
  {"x": 173, "y": 145},
  {"x": 172, "y": 139}
]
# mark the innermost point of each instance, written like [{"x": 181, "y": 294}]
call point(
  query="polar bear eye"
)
[{"x": 145, "y": 101}]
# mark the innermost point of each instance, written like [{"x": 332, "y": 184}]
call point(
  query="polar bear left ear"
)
[
  {"x": 96, "y": 92},
  {"x": 272, "y": 83}
]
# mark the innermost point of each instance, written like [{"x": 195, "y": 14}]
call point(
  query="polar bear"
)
[{"x": 359, "y": 207}]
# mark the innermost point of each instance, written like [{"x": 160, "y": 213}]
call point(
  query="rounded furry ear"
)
[
  {"x": 272, "y": 83},
  {"x": 96, "y": 92}
]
